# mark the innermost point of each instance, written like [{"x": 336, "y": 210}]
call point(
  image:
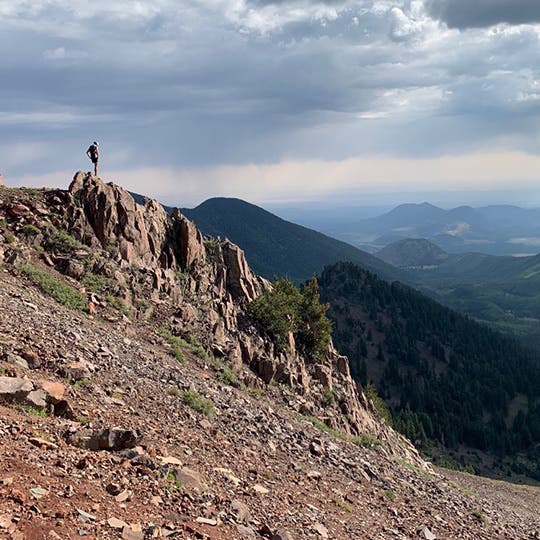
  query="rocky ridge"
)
[
  {"x": 200, "y": 286},
  {"x": 130, "y": 455}
]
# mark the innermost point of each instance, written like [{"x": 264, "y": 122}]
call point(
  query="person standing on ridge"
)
[{"x": 93, "y": 154}]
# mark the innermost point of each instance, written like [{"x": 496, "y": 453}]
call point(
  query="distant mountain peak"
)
[
  {"x": 412, "y": 253},
  {"x": 276, "y": 247}
]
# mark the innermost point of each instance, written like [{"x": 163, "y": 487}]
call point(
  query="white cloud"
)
[
  {"x": 60, "y": 53},
  {"x": 291, "y": 181},
  {"x": 181, "y": 84}
]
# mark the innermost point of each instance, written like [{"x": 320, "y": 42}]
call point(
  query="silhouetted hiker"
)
[{"x": 93, "y": 154}]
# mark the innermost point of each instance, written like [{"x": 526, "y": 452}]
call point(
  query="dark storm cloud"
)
[
  {"x": 222, "y": 81},
  {"x": 284, "y": 2},
  {"x": 484, "y": 13}
]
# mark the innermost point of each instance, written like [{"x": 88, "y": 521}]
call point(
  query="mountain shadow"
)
[
  {"x": 449, "y": 381},
  {"x": 275, "y": 247}
]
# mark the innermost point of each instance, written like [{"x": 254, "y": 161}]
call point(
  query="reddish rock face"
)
[
  {"x": 147, "y": 236},
  {"x": 54, "y": 390},
  {"x": 207, "y": 284}
]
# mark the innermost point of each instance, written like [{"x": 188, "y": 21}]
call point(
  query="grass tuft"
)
[
  {"x": 197, "y": 402},
  {"x": 61, "y": 241},
  {"x": 175, "y": 342},
  {"x": 345, "y": 506},
  {"x": 120, "y": 305},
  {"x": 367, "y": 441},
  {"x": 97, "y": 283},
  {"x": 34, "y": 411},
  {"x": 30, "y": 230},
  {"x": 55, "y": 287}
]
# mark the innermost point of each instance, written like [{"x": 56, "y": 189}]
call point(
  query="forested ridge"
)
[
  {"x": 447, "y": 379},
  {"x": 278, "y": 248}
]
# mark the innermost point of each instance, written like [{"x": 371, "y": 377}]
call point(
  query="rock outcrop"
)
[
  {"x": 201, "y": 285},
  {"x": 217, "y": 274}
]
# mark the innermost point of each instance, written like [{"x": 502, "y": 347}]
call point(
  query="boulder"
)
[
  {"x": 16, "y": 360},
  {"x": 55, "y": 391},
  {"x": 74, "y": 269},
  {"x": 190, "y": 479},
  {"x": 240, "y": 511},
  {"x": 189, "y": 241},
  {"x": 37, "y": 398},
  {"x": 76, "y": 371},
  {"x": 18, "y": 210},
  {"x": 33, "y": 360},
  {"x": 14, "y": 389},
  {"x": 282, "y": 535},
  {"x": 112, "y": 439}
]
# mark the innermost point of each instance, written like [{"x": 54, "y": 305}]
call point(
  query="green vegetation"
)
[
  {"x": 9, "y": 236},
  {"x": 258, "y": 392},
  {"x": 447, "y": 380},
  {"x": 504, "y": 292},
  {"x": 379, "y": 404},
  {"x": 328, "y": 398},
  {"x": 172, "y": 483},
  {"x": 368, "y": 440},
  {"x": 34, "y": 411},
  {"x": 181, "y": 276},
  {"x": 42, "y": 435},
  {"x": 98, "y": 283},
  {"x": 389, "y": 494},
  {"x": 60, "y": 241},
  {"x": 345, "y": 506},
  {"x": 112, "y": 248},
  {"x": 197, "y": 402},
  {"x": 175, "y": 342},
  {"x": 286, "y": 309},
  {"x": 448, "y": 462},
  {"x": 477, "y": 514},
  {"x": 276, "y": 311},
  {"x": 227, "y": 376},
  {"x": 80, "y": 383},
  {"x": 178, "y": 345},
  {"x": 30, "y": 230},
  {"x": 55, "y": 287},
  {"x": 120, "y": 305},
  {"x": 321, "y": 426},
  {"x": 196, "y": 348}
]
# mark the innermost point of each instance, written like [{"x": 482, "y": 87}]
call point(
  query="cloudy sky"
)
[{"x": 275, "y": 100}]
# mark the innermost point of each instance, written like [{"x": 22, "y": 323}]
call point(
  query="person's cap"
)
[{"x": 96, "y": 143}]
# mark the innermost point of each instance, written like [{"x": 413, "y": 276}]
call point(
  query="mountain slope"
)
[
  {"x": 276, "y": 247},
  {"x": 448, "y": 380},
  {"x": 136, "y": 400},
  {"x": 412, "y": 253},
  {"x": 497, "y": 230},
  {"x": 246, "y": 470},
  {"x": 503, "y": 291}
]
